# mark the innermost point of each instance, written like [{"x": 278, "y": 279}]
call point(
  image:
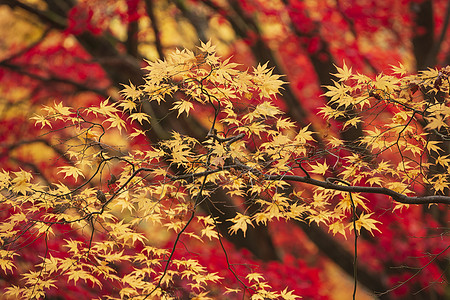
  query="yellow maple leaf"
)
[
  {"x": 6, "y": 262},
  {"x": 14, "y": 292},
  {"x": 336, "y": 92},
  {"x": 337, "y": 227},
  {"x": 71, "y": 171},
  {"x": 128, "y": 105},
  {"x": 41, "y": 120},
  {"x": 210, "y": 232},
  {"x": 304, "y": 135},
  {"x": 230, "y": 290},
  {"x": 284, "y": 124},
  {"x": 140, "y": 117},
  {"x": 182, "y": 106},
  {"x": 364, "y": 221},
  {"x": 320, "y": 168},
  {"x": 436, "y": 122},
  {"x": 207, "y": 47},
  {"x": 62, "y": 110},
  {"x": 353, "y": 122},
  {"x": 266, "y": 109},
  {"x": 240, "y": 223},
  {"x": 116, "y": 122},
  {"x": 343, "y": 73},
  {"x": 288, "y": 295},
  {"x": 432, "y": 146},
  {"x": 130, "y": 91},
  {"x": 257, "y": 277},
  {"x": 335, "y": 142},
  {"x": 400, "y": 69},
  {"x": 440, "y": 182}
]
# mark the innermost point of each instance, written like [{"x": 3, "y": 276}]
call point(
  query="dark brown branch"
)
[
  {"x": 48, "y": 17},
  {"x": 52, "y": 79},
  {"x": 328, "y": 184},
  {"x": 437, "y": 45},
  {"x": 424, "y": 38},
  {"x": 29, "y": 47},
  {"x": 198, "y": 21},
  {"x": 342, "y": 258},
  {"x": 131, "y": 43},
  {"x": 154, "y": 23},
  {"x": 364, "y": 189}
]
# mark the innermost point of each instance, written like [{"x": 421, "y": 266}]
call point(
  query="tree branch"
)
[
  {"x": 154, "y": 23},
  {"x": 52, "y": 79},
  {"x": 48, "y": 17},
  {"x": 327, "y": 184}
]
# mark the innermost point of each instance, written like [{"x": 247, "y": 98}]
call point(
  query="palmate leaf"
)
[
  {"x": 320, "y": 168},
  {"x": 365, "y": 221},
  {"x": 182, "y": 106},
  {"x": 343, "y": 73},
  {"x": 253, "y": 152},
  {"x": 400, "y": 69},
  {"x": 41, "y": 120},
  {"x": 140, "y": 117},
  {"x": 240, "y": 223},
  {"x": 71, "y": 171}
]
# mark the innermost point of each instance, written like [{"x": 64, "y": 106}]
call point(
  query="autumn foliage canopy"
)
[{"x": 199, "y": 175}]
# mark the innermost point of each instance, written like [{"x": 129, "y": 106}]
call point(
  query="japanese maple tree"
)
[{"x": 191, "y": 175}]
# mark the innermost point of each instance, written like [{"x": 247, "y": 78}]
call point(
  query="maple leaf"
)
[
  {"x": 338, "y": 227},
  {"x": 77, "y": 274},
  {"x": 304, "y": 135},
  {"x": 116, "y": 122},
  {"x": 375, "y": 180},
  {"x": 130, "y": 91},
  {"x": 284, "y": 123},
  {"x": 443, "y": 160},
  {"x": 336, "y": 92},
  {"x": 320, "y": 168},
  {"x": 71, "y": 171},
  {"x": 230, "y": 290},
  {"x": 400, "y": 69},
  {"x": 433, "y": 146},
  {"x": 320, "y": 216},
  {"x": 128, "y": 105},
  {"x": 257, "y": 277},
  {"x": 352, "y": 122},
  {"x": 364, "y": 221},
  {"x": 288, "y": 295},
  {"x": 440, "y": 182},
  {"x": 240, "y": 223},
  {"x": 137, "y": 132},
  {"x": 105, "y": 108},
  {"x": 361, "y": 78},
  {"x": 13, "y": 292},
  {"x": 21, "y": 182},
  {"x": 6, "y": 262},
  {"x": 207, "y": 47},
  {"x": 41, "y": 120},
  {"x": 50, "y": 264},
  {"x": 436, "y": 122},
  {"x": 182, "y": 106},
  {"x": 140, "y": 117},
  {"x": 268, "y": 83},
  {"x": 266, "y": 109},
  {"x": 210, "y": 232},
  {"x": 343, "y": 73},
  {"x": 62, "y": 110}
]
